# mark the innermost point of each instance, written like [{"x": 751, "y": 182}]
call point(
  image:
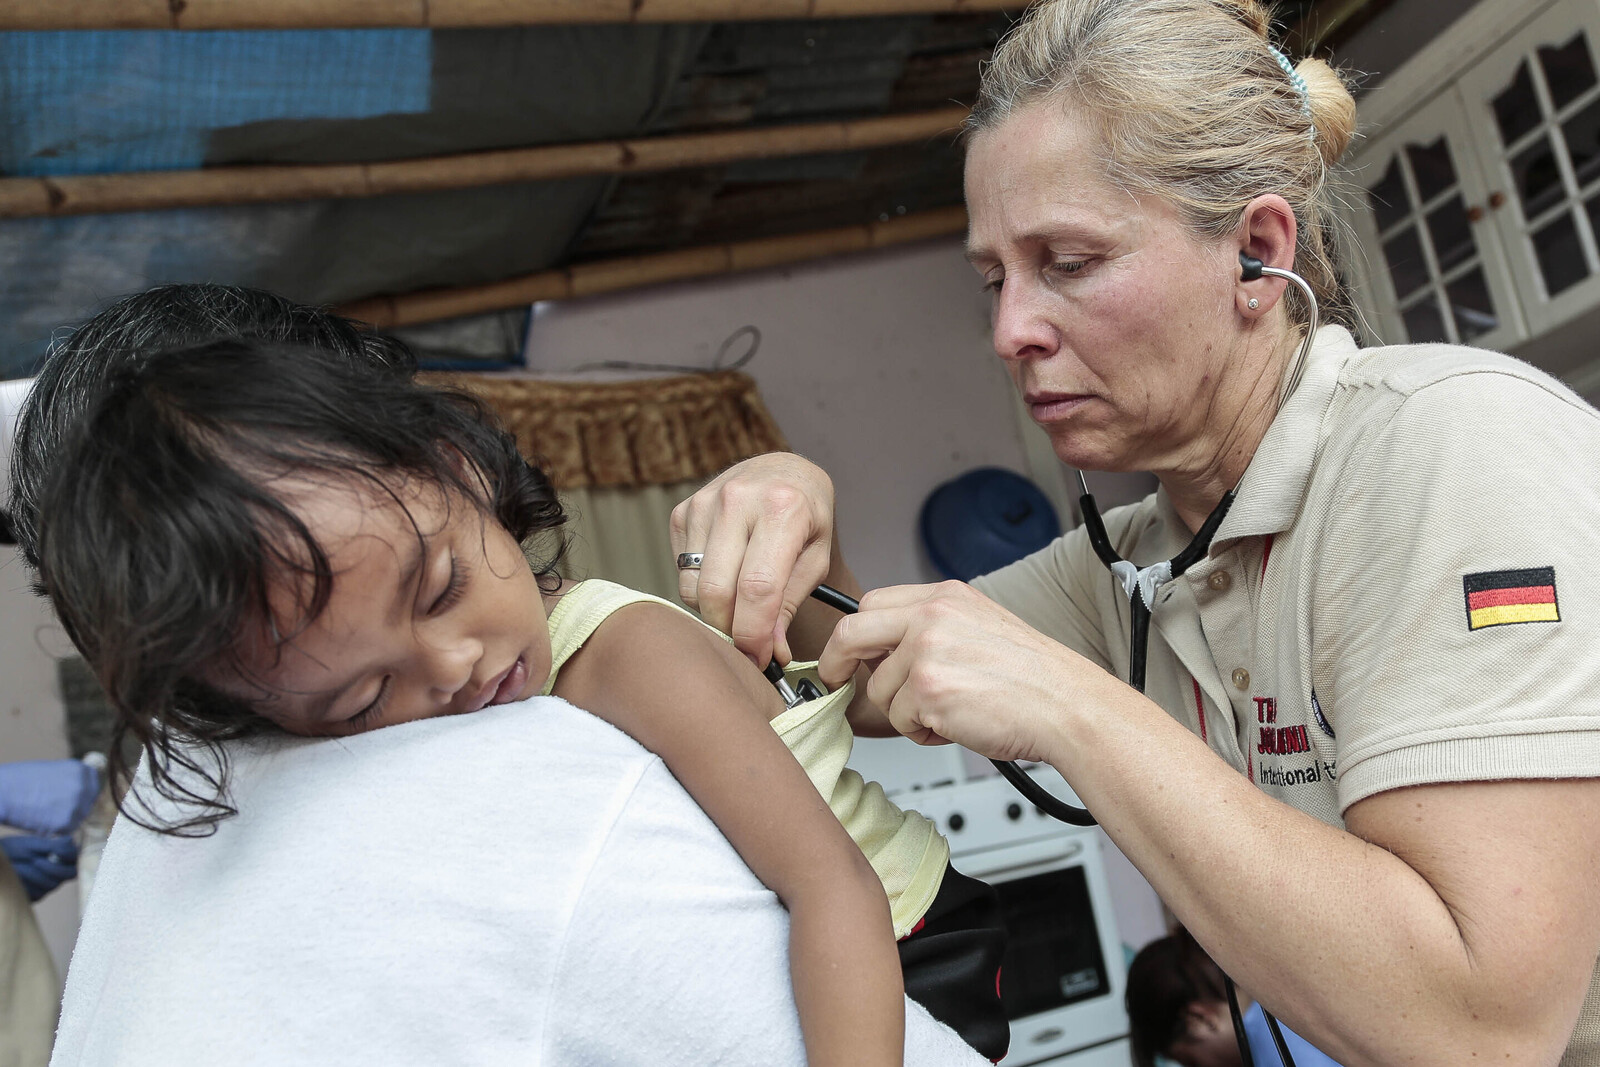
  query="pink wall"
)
[{"x": 878, "y": 367}]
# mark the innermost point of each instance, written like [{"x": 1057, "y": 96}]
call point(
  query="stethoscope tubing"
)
[{"x": 1031, "y": 790}]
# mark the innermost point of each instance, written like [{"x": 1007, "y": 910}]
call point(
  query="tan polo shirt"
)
[{"x": 1406, "y": 590}]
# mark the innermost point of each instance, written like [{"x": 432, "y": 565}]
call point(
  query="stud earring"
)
[{"x": 1253, "y": 304}]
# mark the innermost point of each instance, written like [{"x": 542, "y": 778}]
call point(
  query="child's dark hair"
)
[
  {"x": 169, "y": 316},
  {"x": 160, "y": 532},
  {"x": 1164, "y": 979}
]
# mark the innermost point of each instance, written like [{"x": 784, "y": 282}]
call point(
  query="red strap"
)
[
  {"x": 1199, "y": 707},
  {"x": 1266, "y": 554}
]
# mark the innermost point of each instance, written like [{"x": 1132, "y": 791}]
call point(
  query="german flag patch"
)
[{"x": 1495, "y": 598}]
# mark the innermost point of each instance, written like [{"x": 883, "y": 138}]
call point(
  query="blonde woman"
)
[{"x": 1363, "y": 769}]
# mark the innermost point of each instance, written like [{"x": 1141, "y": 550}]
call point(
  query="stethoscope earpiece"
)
[{"x": 1252, "y": 269}]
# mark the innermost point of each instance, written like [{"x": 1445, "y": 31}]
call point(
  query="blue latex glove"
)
[
  {"x": 48, "y": 797},
  {"x": 41, "y": 863}
]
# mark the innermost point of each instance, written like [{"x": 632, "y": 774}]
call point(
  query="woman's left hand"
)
[{"x": 949, "y": 664}]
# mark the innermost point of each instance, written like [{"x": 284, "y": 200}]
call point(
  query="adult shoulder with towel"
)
[
  {"x": 572, "y": 907},
  {"x": 1365, "y": 771}
]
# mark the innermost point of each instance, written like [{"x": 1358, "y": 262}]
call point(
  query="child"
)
[
  {"x": 1178, "y": 1010},
  {"x": 167, "y": 316},
  {"x": 255, "y": 536}
]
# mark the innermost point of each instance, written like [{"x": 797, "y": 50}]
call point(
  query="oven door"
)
[{"x": 1063, "y": 976}]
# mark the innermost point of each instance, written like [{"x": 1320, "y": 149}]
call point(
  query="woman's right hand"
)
[{"x": 766, "y": 529}]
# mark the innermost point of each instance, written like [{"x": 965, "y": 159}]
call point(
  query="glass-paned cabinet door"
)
[
  {"x": 1534, "y": 103},
  {"x": 1429, "y": 265}
]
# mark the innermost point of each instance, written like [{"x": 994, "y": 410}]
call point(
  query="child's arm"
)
[{"x": 687, "y": 695}]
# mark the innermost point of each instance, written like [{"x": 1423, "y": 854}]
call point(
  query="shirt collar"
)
[
  {"x": 1172, "y": 536},
  {"x": 1274, "y": 484}
]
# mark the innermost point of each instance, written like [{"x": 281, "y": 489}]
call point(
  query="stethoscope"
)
[{"x": 1140, "y": 586}]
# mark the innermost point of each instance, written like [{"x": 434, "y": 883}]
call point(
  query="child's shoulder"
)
[
  {"x": 604, "y": 617},
  {"x": 638, "y": 617},
  {"x": 633, "y": 636},
  {"x": 590, "y": 603}
]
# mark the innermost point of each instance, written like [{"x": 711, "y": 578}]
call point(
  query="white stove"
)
[{"x": 1064, "y": 974}]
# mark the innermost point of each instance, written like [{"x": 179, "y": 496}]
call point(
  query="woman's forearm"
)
[{"x": 1358, "y": 951}]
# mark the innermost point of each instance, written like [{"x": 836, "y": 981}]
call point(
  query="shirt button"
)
[
  {"x": 1241, "y": 678},
  {"x": 1219, "y": 581}
]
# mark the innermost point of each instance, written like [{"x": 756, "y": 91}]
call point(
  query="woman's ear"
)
[{"x": 1266, "y": 232}]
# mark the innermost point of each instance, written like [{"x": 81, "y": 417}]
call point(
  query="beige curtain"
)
[
  {"x": 622, "y": 454},
  {"x": 621, "y": 535}
]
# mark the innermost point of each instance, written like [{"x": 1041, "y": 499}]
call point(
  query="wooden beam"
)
[
  {"x": 88, "y": 194},
  {"x": 440, "y": 14},
  {"x": 633, "y": 272}
]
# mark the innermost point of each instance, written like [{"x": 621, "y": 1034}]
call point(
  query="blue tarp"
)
[{"x": 90, "y": 103}]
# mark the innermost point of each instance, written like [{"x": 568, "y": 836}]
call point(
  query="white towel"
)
[{"x": 521, "y": 885}]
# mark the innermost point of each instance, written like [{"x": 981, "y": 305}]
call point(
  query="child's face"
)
[
  {"x": 445, "y": 624},
  {"x": 1208, "y": 1039}
]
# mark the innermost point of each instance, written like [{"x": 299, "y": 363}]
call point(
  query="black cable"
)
[
  {"x": 1196, "y": 549},
  {"x": 1284, "y": 1055},
  {"x": 1138, "y": 638},
  {"x": 1277, "y": 1038},
  {"x": 1238, "y": 1024},
  {"x": 1096, "y": 528},
  {"x": 836, "y": 600},
  {"x": 1040, "y": 797}
]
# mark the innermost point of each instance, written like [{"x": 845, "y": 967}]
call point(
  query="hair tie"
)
[{"x": 1297, "y": 81}]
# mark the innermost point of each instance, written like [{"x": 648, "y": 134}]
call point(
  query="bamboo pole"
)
[
  {"x": 633, "y": 272},
  {"x": 156, "y": 190},
  {"x": 440, "y": 14}
]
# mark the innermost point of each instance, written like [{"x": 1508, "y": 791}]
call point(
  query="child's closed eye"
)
[
  {"x": 453, "y": 589},
  {"x": 373, "y": 711}
]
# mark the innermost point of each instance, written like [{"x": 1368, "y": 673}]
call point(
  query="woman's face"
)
[
  {"x": 1114, "y": 322},
  {"x": 433, "y": 611}
]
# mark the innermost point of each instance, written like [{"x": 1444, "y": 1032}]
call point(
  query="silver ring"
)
[{"x": 690, "y": 561}]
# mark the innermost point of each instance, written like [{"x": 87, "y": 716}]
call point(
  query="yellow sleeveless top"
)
[{"x": 905, "y": 849}]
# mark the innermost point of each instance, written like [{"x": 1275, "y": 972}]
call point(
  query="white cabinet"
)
[
  {"x": 1478, "y": 205},
  {"x": 1534, "y": 104},
  {"x": 1439, "y": 272}
]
